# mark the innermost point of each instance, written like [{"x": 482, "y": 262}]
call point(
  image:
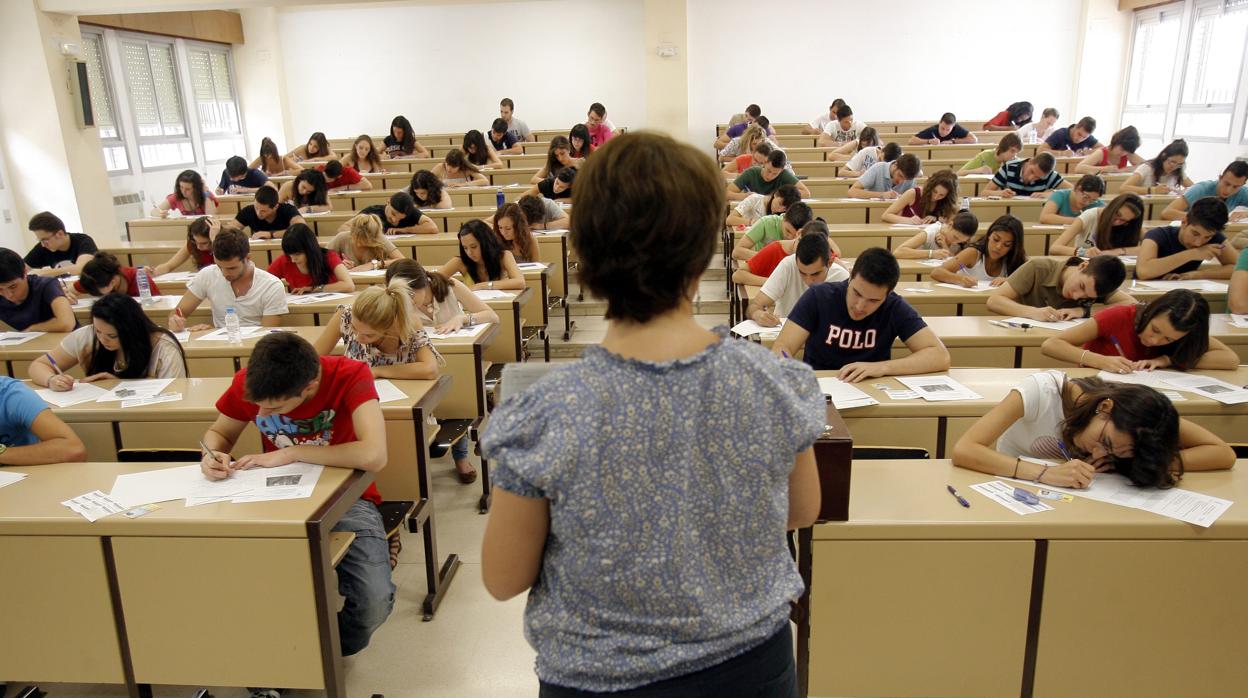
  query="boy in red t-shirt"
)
[
  {"x": 339, "y": 177},
  {"x": 321, "y": 410}
]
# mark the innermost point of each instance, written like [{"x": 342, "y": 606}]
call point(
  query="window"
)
[
  {"x": 1211, "y": 78},
  {"x": 156, "y": 103},
  {"x": 103, "y": 105},
  {"x": 1152, "y": 59},
  {"x": 212, "y": 89}
]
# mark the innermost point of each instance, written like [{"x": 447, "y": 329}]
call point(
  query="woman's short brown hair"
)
[{"x": 647, "y": 218}]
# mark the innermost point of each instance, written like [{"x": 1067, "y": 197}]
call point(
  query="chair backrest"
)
[
  {"x": 159, "y": 455},
  {"x": 890, "y": 453}
]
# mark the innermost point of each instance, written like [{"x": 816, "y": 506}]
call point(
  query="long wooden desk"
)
[
  {"x": 1089, "y": 599},
  {"x": 968, "y": 185},
  {"x": 324, "y": 224}
]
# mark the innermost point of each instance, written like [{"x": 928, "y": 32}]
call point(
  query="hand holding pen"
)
[
  {"x": 214, "y": 464},
  {"x": 60, "y": 382}
]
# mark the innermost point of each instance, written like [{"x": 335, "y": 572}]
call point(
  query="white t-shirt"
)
[
  {"x": 1145, "y": 171},
  {"x": 785, "y": 284},
  {"x": 1024, "y": 132},
  {"x": 266, "y": 296},
  {"x": 752, "y": 207},
  {"x": 864, "y": 158},
  {"x": 840, "y": 135},
  {"x": 1038, "y": 434},
  {"x": 821, "y": 122},
  {"x": 165, "y": 361},
  {"x": 1090, "y": 217}
]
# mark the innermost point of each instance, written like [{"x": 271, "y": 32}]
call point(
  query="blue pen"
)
[
  {"x": 1065, "y": 453},
  {"x": 1118, "y": 346},
  {"x": 55, "y": 366},
  {"x": 960, "y": 498},
  {"x": 785, "y": 354}
]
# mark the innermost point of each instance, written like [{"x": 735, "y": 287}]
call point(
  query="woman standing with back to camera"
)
[{"x": 652, "y": 547}]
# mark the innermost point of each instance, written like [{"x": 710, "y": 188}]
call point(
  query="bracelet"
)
[
  {"x": 929, "y": 254},
  {"x": 468, "y": 320},
  {"x": 1040, "y": 475},
  {"x": 1085, "y": 353}
]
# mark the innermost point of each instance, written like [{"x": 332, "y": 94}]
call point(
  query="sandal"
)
[{"x": 396, "y": 547}]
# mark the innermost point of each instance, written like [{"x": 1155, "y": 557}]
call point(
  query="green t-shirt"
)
[
  {"x": 1242, "y": 264},
  {"x": 986, "y": 158},
  {"x": 752, "y": 180},
  {"x": 767, "y": 228}
]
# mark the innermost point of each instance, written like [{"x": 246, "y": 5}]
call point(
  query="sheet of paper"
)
[
  {"x": 1057, "y": 325},
  {"x": 153, "y": 486},
  {"x": 221, "y": 335},
  {"x": 901, "y": 394},
  {"x": 1174, "y": 503},
  {"x": 938, "y": 388},
  {"x": 1003, "y": 493},
  {"x": 749, "y": 328},
  {"x": 1240, "y": 321},
  {"x": 531, "y": 266},
  {"x": 845, "y": 396},
  {"x": 143, "y": 401},
  {"x": 517, "y": 377},
  {"x": 486, "y": 294},
  {"x": 916, "y": 289},
  {"x": 1174, "y": 395},
  {"x": 80, "y": 393},
  {"x": 135, "y": 389},
  {"x": 1212, "y": 388},
  {"x": 461, "y": 333},
  {"x": 1190, "y": 284},
  {"x": 8, "y": 477},
  {"x": 908, "y": 225},
  {"x": 94, "y": 505},
  {"x": 931, "y": 262},
  {"x": 388, "y": 392},
  {"x": 369, "y": 273},
  {"x": 84, "y": 303},
  {"x": 12, "y": 339},
  {"x": 1153, "y": 379},
  {"x": 175, "y": 276},
  {"x": 292, "y": 481},
  {"x": 979, "y": 286},
  {"x": 309, "y": 298},
  {"x": 183, "y": 336}
]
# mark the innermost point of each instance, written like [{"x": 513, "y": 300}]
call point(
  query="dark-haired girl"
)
[
  {"x": 935, "y": 201},
  {"x": 1114, "y": 229},
  {"x": 456, "y": 171},
  {"x": 1011, "y": 118},
  {"x": 513, "y": 230},
  {"x": 483, "y": 260},
  {"x": 308, "y": 192},
  {"x": 578, "y": 140},
  {"x": 1088, "y": 426},
  {"x": 1118, "y": 156},
  {"x": 306, "y": 267},
  {"x": 480, "y": 153},
  {"x": 1163, "y": 174},
  {"x": 427, "y": 191},
  {"x": 272, "y": 162},
  {"x": 991, "y": 257},
  {"x": 363, "y": 156},
  {"x": 120, "y": 342},
  {"x": 317, "y": 148},
  {"x": 402, "y": 143},
  {"x": 558, "y": 157},
  {"x": 189, "y": 197},
  {"x": 105, "y": 274}
]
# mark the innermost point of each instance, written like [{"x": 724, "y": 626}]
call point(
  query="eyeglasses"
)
[{"x": 1107, "y": 445}]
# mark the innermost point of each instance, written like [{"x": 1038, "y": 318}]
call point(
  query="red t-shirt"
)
[
  {"x": 745, "y": 162},
  {"x": 132, "y": 283},
  {"x": 202, "y": 257},
  {"x": 1001, "y": 119},
  {"x": 911, "y": 210},
  {"x": 349, "y": 176},
  {"x": 767, "y": 259},
  {"x": 289, "y": 272},
  {"x": 322, "y": 420},
  {"x": 1119, "y": 321},
  {"x": 1122, "y": 161}
]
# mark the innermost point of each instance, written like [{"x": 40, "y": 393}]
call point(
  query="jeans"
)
[
  {"x": 363, "y": 577},
  {"x": 459, "y": 449},
  {"x": 767, "y": 671}
]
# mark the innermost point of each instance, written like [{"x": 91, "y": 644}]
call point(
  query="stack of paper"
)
[
  {"x": 222, "y": 335},
  {"x": 1212, "y": 388},
  {"x": 8, "y": 477},
  {"x": 749, "y": 328},
  {"x": 938, "y": 388},
  {"x": 1026, "y": 323},
  {"x": 12, "y": 339},
  {"x": 978, "y": 287},
  {"x": 1190, "y": 284},
  {"x": 81, "y": 392},
  {"x": 293, "y": 481},
  {"x": 307, "y": 298},
  {"x": 388, "y": 392},
  {"x": 845, "y": 396}
]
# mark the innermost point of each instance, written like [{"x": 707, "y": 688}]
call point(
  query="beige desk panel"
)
[
  {"x": 913, "y": 431},
  {"x": 400, "y": 478},
  {"x": 883, "y": 623},
  {"x": 72, "y": 637},
  {"x": 180, "y": 435},
  {"x": 1144, "y": 619},
  {"x": 173, "y": 591},
  {"x": 98, "y": 438}
]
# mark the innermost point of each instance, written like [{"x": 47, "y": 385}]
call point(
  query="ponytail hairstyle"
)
[
  {"x": 134, "y": 332},
  {"x": 383, "y": 307},
  {"x": 192, "y": 178},
  {"x": 415, "y": 277},
  {"x": 270, "y": 154},
  {"x": 1108, "y": 236},
  {"x": 299, "y": 239},
  {"x": 320, "y": 189},
  {"x": 424, "y": 179},
  {"x": 1147, "y": 415},
  {"x": 524, "y": 245},
  {"x": 477, "y": 152},
  {"x": 491, "y": 249},
  {"x": 99, "y": 272},
  {"x": 946, "y": 207},
  {"x": 1188, "y": 312}
]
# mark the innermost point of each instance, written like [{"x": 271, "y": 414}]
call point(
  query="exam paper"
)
[
  {"x": 979, "y": 286},
  {"x": 80, "y": 393},
  {"x": 222, "y": 335},
  {"x": 1240, "y": 321},
  {"x": 486, "y": 294},
  {"x": 183, "y": 336},
  {"x": 938, "y": 388},
  {"x": 8, "y": 477},
  {"x": 1153, "y": 379},
  {"x": 845, "y": 396},
  {"x": 1058, "y": 325},
  {"x": 931, "y": 262},
  {"x": 143, "y": 401},
  {"x": 388, "y": 392},
  {"x": 461, "y": 333},
  {"x": 309, "y": 298},
  {"x": 93, "y": 505},
  {"x": 1190, "y": 284},
  {"x": 1212, "y": 388},
  {"x": 12, "y": 339},
  {"x": 135, "y": 389},
  {"x": 291, "y": 481},
  {"x": 1003, "y": 493},
  {"x": 749, "y": 328},
  {"x": 175, "y": 276},
  {"x": 1174, "y": 503},
  {"x": 153, "y": 486},
  {"x": 369, "y": 273},
  {"x": 531, "y": 266}
]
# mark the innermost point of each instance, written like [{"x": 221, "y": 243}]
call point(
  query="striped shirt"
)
[{"x": 1010, "y": 176}]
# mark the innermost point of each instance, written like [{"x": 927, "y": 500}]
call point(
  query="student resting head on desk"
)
[
  {"x": 513, "y": 230},
  {"x": 56, "y": 252},
  {"x": 809, "y": 260},
  {"x": 257, "y": 297},
  {"x": 306, "y": 267},
  {"x": 1011, "y": 118},
  {"x": 120, "y": 342},
  {"x": 542, "y": 213},
  {"x": 755, "y": 206},
  {"x": 1049, "y": 289},
  {"x": 1064, "y": 206},
  {"x": 1113, "y": 229},
  {"x": 1170, "y": 332},
  {"x": 1088, "y": 426},
  {"x": 1229, "y": 188},
  {"x": 427, "y": 191},
  {"x": 266, "y": 218},
  {"x": 321, "y": 410},
  {"x": 989, "y": 257},
  {"x": 712, "y": 474},
  {"x": 849, "y": 326},
  {"x": 29, "y": 433},
  {"x": 340, "y": 177},
  {"x": 770, "y": 228},
  {"x": 31, "y": 303},
  {"x": 940, "y": 240},
  {"x": 483, "y": 260},
  {"x": 104, "y": 275},
  {"x": 189, "y": 198},
  {"x": 1180, "y": 252},
  {"x": 364, "y": 156}
]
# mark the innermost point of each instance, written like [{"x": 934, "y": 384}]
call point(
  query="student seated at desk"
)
[
  {"x": 190, "y": 197},
  {"x": 306, "y": 267},
  {"x": 1033, "y": 177},
  {"x": 364, "y": 156},
  {"x": 199, "y": 236},
  {"x": 1163, "y": 174},
  {"x": 1039, "y": 130},
  {"x": 1011, "y": 118},
  {"x": 512, "y": 229},
  {"x": 399, "y": 216},
  {"x": 484, "y": 260},
  {"x": 542, "y": 213},
  {"x": 32, "y": 303},
  {"x": 849, "y": 326},
  {"x": 756, "y": 156},
  {"x": 755, "y": 206},
  {"x": 844, "y": 129},
  {"x": 1170, "y": 332},
  {"x": 30, "y": 434},
  {"x": 989, "y": 257},
  {"x": 266, "y": 218},
  {"x": 753, "y": 115},
  {"x": 819, "y": 123},
  {"x": 991, "y": 160},
  {"x": 322, "y": 410},
  {"x": 104, "y": 274},
  {"x": 762, "y": 265},
  {"x": 765, "y": 179},
  {"x": 558, "y": 156},
  {"x": 1049, "y": 289},
  {"x": 769, "y": 228},
  {"x": 559, "y": 450},
  {"x": 427, "y": 191},
  {"x": 502, "y": 140},
  {"x": 1228, "y": 188},
  {"x": 752, "y": 136},
  {"x": 808, "y": 260},
  {"x": 339, "y": 177},
  {"x": 1089, "y": 426},
  {"x": 1118, "y": 156},
  {"x": 1075, "y": 139},
  {"x": 271, "y": 161},
  {"x": 257, "y": 297},
  {"x": 1180, "y": 252},
  {"x": 379, "y": 329},
  {"x": 556, "y": 186},
  {"x": 869, "y": 156},
  {"x": 1237, "y": 293},
  {"x": 478, "y": 152},
  {"x": 445, "y": 304},
  {"x": 507, "y": 112},
  {"x": 317, "y": 148},
  {"x": 456, "y": 171},
  {"x": 120, "y": 342},
  {"x": 600, "y": 127},
  {"x": 56, "y": 252},
  {"x": 238, "y": 178},
  {"x": 308, "y": 192},
  {"x": 578, "y": 139},
  {"x": 401, "y": 141},
  {"x": 1114, "y": 229},
  {"x": 887, "y": 180},
  {"x": 947, "y": 130},
  {"x": 360, "y": 242},
  {"x": 1065, "y": 205},
  {"x": 935, "y": 201},
  {"x": 868, "y": 137},
  {"x": 940, "y": 240}
]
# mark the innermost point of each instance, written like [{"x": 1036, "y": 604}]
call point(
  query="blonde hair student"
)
[{"x": 380, "y": 329}]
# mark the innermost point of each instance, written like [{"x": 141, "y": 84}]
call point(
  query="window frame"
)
[
  {"x": 110, "y": 87},
  {"x": 1141, "y": 17},
  {"x": 1194, "y": 10},
  {"x": 189, "y": 45},
  {"x": 147, "y": 40}
]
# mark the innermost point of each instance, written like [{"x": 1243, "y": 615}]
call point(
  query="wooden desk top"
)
[
  {"x": 927, "y": 292},
  {"x": 907, "y": 500}
]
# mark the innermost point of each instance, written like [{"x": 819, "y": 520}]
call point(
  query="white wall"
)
[
  {"x": 883, "y": 59},
  {"x": 446, "y": 67}
]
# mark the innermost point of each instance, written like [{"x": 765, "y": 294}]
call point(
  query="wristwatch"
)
[{"x": 490, "y": 285}]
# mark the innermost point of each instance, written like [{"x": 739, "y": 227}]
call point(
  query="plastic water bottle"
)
[
  {"x": 145, "y": 288},
  {"x": 232, "y": 330},
  {"x": 1032, "y": 137},
  {"x": 966, "y": 203},
  {"x": 499, "y": 199}
]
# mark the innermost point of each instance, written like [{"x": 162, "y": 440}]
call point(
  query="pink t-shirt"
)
[
  {"x": 180, "y": 205},
  {"x": 600, "y": 134}
]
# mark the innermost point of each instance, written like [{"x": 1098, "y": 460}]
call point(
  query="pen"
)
[
  {"x": 55, "y": 366},
  {"x": 1118, "y": 346},
  {"x": 960, "y": 498},
  {"x": 210, "y": 452},
  {"x": 785, "y": 354},
  {"x": 1065, "y": 453}
]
